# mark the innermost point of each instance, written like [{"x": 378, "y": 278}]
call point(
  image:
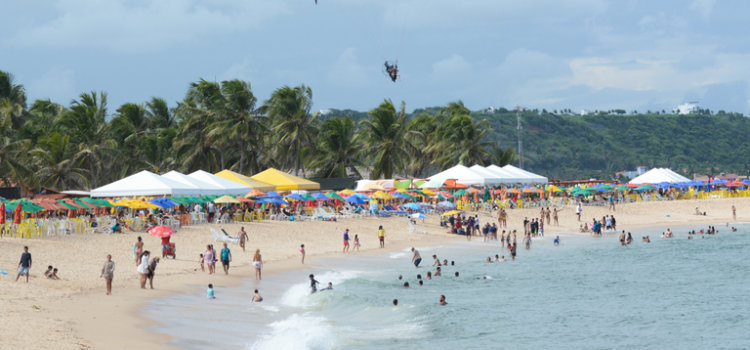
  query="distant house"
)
[
  {"x": 633, "y": 174},
  {"x": 489, "y": 110},
  {"x": 720, "y": 177},
  {"x": 688, "y": 108},
  {"x": 585, "y": 112}
]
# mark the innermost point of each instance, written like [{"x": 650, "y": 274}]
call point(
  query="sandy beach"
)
[{"x": 74, "y": 313}]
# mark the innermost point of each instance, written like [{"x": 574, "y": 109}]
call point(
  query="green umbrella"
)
[
  {"x": 333, "y": 195},
  {"x": 645, "y": 187},
  {"x": 308, "y": 197},
  {"x": 69, "y": 206},
  {"x": 83, "y": 204},
  {"x": 459, "y": 193},
  {"x": 408, "y": 196},
  {"x": 623, "y": 188}
]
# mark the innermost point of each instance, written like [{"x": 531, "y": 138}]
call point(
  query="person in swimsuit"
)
[
  {"x": 257, "y": 264},
  {"x": 152, "y": 272},
  {"x": 489, "y": 260},
  {"x": 138, "y": 249},
  {"x": 428, "y": 276},
  {"x": 395, "y": 302},
  {"x": 313, "y": 284},
  {"x": 579, "y": 211},
  {"x": 437, "y": 261},
  {"x": 108, "y": 273},
  {"x": 556, "y": 241},
  {"x": 330, "y": 286},
  {"x": 442, "y": 300},
  {"x": 503, "y": 218},
  {"x": 302, "y": 250},
  {"x": 622, "y": 238},
  {"x": 416, "y": 258},
  {"x": 734, "y": 213},
  {"x": 554, "y": 217},
  {"x": 381, "y": 236},
  {"x": 210, "y": 291},
  {"x": 242, "y": 235},
  {"x": 209, "y": 258},
  {"x": 256, "y": 298},
  {"x": 502, "y": 258},
  {"x": 356, "y": 242},
  {"x": 547, "y": 215},
  {"x": 437, "y": 273},
  {"x": 143, "y": 268}
]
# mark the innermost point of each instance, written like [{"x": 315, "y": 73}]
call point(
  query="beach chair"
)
[
  {"x": 414, "y": 229},
  {"x": 230, "y": 239},
  {"x": 223, "y": 219},
  {"x": 219, "y": 237}
]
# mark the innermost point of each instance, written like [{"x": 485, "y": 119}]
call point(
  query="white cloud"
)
[
  {"x": 242, "y": 70},
  {"x": 347, "y": 72},
  {"x": 149, "y": 25},
  {"x": 524, "y": 64},
  {"x": 703, "y": 7},
  {"x": 56, "y": 84},
  {"x": 451, "y": 68}
]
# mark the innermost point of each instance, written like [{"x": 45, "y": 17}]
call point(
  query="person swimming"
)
[
  {"x": 406, "y": 284},
  {"x": 421, "y": 283},
  {"x": 502, "y": 258},
  {"x": 489, "y": 260},
  {"x": 330, "y": 287},
  {"x": 556, "y": 241}
]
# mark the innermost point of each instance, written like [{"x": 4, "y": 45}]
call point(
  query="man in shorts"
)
[
  {"x": 242, "y": 235},
  {"x": 25, "y": 264},
  {"x": 346, "y": 241},
  {"x": 416, "y": 259},
  {"x": 503, "y": 218},
  {"x": 211, "y": 211},
  {"x": 226, "y": 257}
]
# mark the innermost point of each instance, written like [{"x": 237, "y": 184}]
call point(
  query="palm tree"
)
[
  {"x": 129, "y": 124},
  {"x": 337, "y": 151},
  {"x": 12, "y": 168},
  {"x": 86, "y": 125},
  {"x": 159, "y": 114},
  {"x": 384, "y": 139},
  {"x": 289, "y": 111},
  {"x": 239, "y": 118},
  {"x": 15, "y": 95},
  {"x": 40, "y": 119},
  {"x": 421, "y": 134},
  {"x": 501, "y": 157},
  {"x": 59, "y": 166},
  {"x": 461, "y": 140},
  {"x": 195, "y": 149}
]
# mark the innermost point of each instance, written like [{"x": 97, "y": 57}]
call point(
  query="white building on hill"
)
[{"x": 688, "y": 108}]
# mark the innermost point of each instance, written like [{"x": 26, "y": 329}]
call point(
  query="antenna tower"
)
[{"x": 520, "y": 144}]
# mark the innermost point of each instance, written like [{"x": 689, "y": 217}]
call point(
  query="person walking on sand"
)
[
  {"x": 257, "y": 264},
  {"x": 416, "y": 258},
  {"x": 346, "y": 241},
  {"x": 242, "y": 235},
  {"x": 503, "y": 218},
  {"x": 143, "y": 268},
  {"x": 108, "y": 273},
  {"x": 152, "y": 272},
  {"x": 612, "y": 202},
  {"x": 137, "y": 249},
  {"x": 734, "y": 213},
  {"x": 209, "y": 258},
  {"x": 226, "y": 258},
  {"x": 302, "y": 251},
  {"x": 381, "y": 236},
  {"x": 579, "y": 211},
  {"x": 25, "y": 264},
  {"x": 356, "y": 242},
  {"x": 554, "y": 216}
]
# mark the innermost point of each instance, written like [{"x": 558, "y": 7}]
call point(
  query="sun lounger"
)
[{"x": 230, "y": 239}]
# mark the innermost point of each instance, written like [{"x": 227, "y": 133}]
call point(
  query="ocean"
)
[{"x": 586, "y": 293}]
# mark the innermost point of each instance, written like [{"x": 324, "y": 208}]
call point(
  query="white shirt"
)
[
  {"x": 579, "y": 209},
  {"x": 211, "y": 207},
  {"x": 609, "y": 221},
  {"x": 197, "y": 208}
]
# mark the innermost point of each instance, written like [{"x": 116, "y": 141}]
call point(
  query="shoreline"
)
[{"x": 71, "y": 312}]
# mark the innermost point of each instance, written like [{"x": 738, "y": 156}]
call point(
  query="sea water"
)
[{"x": 586, "y": 293}]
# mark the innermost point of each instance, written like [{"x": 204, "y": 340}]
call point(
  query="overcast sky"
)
[{"x": 553, "y": 54}]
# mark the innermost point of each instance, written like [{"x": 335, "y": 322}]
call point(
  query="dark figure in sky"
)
[{"x": 392, "y": 71}]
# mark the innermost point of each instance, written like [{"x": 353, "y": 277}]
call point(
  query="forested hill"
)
[{"x": 566, "y": 146}]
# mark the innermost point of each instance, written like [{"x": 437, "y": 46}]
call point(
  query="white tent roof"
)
[
  {"x": 531, "y": 177},
  {"x": 657, "y": 175},
  {"x": 230, "y": 187},
  {"x": 466, "y": 176},
  {"x": 503, "y": 177},
  {"x": 204, "y": 187},
  {"x": 144, "y": 183}
]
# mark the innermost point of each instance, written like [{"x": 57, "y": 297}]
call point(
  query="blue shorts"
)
[
  {"x": 165, "y": 247},
  {"x": 23, "y": 271},
  {"x": 416, "y": 262}
]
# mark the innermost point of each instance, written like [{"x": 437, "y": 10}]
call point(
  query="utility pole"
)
[{"x": 520, "y": 144}]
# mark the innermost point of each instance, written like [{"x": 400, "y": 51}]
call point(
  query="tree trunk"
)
[
  {"x": 296, "y": 160},
  {"x": 222, "y": 160},
  {"x": 242, "y": 157},
  {"x": 93, "y": 171}
]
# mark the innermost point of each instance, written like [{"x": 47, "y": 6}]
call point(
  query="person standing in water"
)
[
  {"x": 302, "y": 250},
  {"x": 442, "y": 300},
  {"x": 381, "y": 236},
  {"x": 416, "y": 258},
  {"x": 313, "y": 284}
]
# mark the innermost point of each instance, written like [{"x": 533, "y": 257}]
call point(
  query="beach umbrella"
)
[
  {"x": 296, "y": 196},
  {"x": 17, "y": 214},
  {"x": 308, "y": 197},
  {"x": 2, "y": 211},
  {"x": 254, "y": 193},
  {"x": 445, "y": 194},
  {"x": 645, "y": 187},
  {"x": 412, "y": 206},
  {"x": 427, "y": 206},
  {"x": 320, "y": 196},
  {"x": 363, "y": 196},
  {"x": 459, "y": 193},
  {"x": 347, "y": 192},
  {"x": 407, "y": 196},
  {"x": 553, "y": 188},
  {"x": 273, "y": 194},
  {"x": 474, "y": 190},
  {"x": 624, "y": 188},
  {"x": 225, "y": 199},
  {"x": 333, "y": 195},
  {"x": 161, "y": 231},
  {"x": 514, "y": 190},
  {"x": 632, "y": 185},
  {"x": 372, "y": 186},
  {"x": 452, "y": 212},
  {"x": 418, "y": 216},
  {"x": 427, "y": 192},
  {"x": 273, "y": 201},
  {"x": 528, "y": 190},
  {"x": 446, "y": 206},
  {"x": 354, "y": 199}
]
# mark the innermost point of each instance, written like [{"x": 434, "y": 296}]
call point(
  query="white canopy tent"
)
[
  {"x": 229, "y": 186},
  {"x": 466, "y": 176},
  {"x": 504, "y": 177},
  {"x": 434, "y": 182},
  {"x": 657, "y": 175},
  {"x": 526, "y": 177},
  {"x": 144, "y": 183},
  {"x": 204, "y": 187}
]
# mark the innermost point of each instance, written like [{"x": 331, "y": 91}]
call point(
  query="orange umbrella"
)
[
  {"x": 255, "y": 193},
  {"x": 454, "y": 184},
  {"x": 514, "y": 191},
  {"x": 17, "y": 216},
  {"x": 529, "y": 190},
  {"x": 474, "y": 190}
]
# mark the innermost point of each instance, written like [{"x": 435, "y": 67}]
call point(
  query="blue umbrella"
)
[
  {"x": 354, "y": 199},
  {"x": 413, "y": 206},
  {"x": 272, "y": 195},
  {"x": 273, "y": 201},
  {"x": 319, "y": 195},
  {"x": 418, "y": 216},
  {"x": 446, "y": 206},
  {"x": 398, "y": 195},
  {"x": 164, "y": 202},
  {"x": 296, "y": 196},
  {"x": 363, "y": 196}
]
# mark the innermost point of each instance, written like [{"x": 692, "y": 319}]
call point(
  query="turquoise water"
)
[{"x": 587, "y": 293}]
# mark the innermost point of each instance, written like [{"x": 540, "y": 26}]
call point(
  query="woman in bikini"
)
[{"x": 257, "y": 263}]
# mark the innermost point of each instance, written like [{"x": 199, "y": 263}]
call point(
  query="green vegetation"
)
[{"x": 223, "y": 125}]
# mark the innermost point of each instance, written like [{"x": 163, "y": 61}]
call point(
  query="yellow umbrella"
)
[
  {"x": 225, "y": 199},
  {"x": 372, "y": 186},
  {"x": 381, "y": 195},
  {"x": 553, "y": 188},
  {"x": 428, "y": 192},
  {"x": 452, "y": 212},
  {"x": 348, "y": 192}
]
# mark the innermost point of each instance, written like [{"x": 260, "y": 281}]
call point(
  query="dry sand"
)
[{"x": 74, "y": 313}]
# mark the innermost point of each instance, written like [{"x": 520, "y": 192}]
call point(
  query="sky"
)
[{"x": 577, "y": 54}]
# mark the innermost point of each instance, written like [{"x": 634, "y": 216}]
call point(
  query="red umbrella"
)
[
  {"x": 632, "y": 185},
  {"x": 161, "y": 231},
  {"x": 2, "y": 209},
  {"x": 17, "y": 218}
]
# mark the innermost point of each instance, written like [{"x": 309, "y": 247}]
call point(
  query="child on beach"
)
[
  {"x": 302, "y": 250},
  {"x": 256, "y": 298},
  {"x": 313, "y": 283},
  {"x": 202, "y": 261},
  {"x": 49, "y": 271},
  {"x": 53, "y": 275},
  {"x": 356, "y": 242},
  {"x": 210, "y": 291}
]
